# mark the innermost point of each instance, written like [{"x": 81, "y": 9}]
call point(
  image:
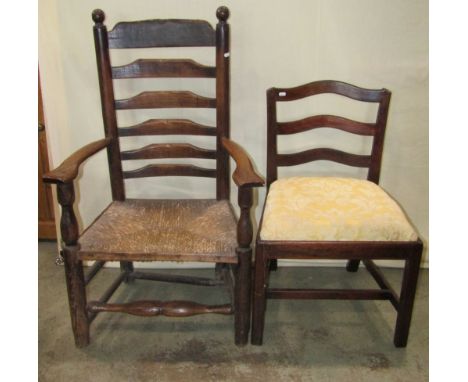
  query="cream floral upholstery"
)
[{"x": 332, "y": 209}]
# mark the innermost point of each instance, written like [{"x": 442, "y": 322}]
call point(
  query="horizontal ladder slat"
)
[
  {"x": 161, "y": 33},
  {"x": 323, "y": 154},
  {"x": 163, "y": 68},
  {"x": 167, "y": 127},
  {"x": 318, "y": 121},
  {"x": 165, "y": 99},
  {"x": 329, "y": 86},
  {"x": 160, "y": 308},
  {"x": 329, "y": 294},
  {"x": 175, "y": 278},
  {"x": 170, "y": 170},
  {"x": 168, "y": 150}
]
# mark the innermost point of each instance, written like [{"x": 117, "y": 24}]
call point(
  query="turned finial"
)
[
  {"x": 222, "y": 13},
  {"x": 98, "y": 16}
]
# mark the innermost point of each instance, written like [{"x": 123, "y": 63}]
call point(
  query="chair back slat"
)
[
  {"x": 165, "y": 99},
  {"x": 170, "y": 170},
  {"x": 168, "y": 150},
  {"x": 167, "y": 127},
  {"x": 151, "y": 68},
  {"x": 332, "y": 121},
  {"x": 375, "y": 130},
  {"x": 161, "y": 33},
  {"x": 323, "y": 154},
  {"x": 330, "y": 86}
]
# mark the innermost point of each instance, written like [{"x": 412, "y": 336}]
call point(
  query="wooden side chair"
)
[
  {"x": 333, "y": 217},
  {"x": 130, "y": 230}
]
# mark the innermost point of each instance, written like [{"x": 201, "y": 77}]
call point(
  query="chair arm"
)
[
  {"x": 68, "y": 170},
  {"x": 244, "y": 174}
]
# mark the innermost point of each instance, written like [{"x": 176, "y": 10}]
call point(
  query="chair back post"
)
[
  {"x": 107, "y": 103},
  {"x": 272, "y": 168},
  {"x": 377, "y": 144},
  {"x": 222, "y": 103}
]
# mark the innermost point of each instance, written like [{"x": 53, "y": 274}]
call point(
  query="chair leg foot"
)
[
  {"x": 76, "y": 296},
  {"x": 408, "y": 291},
  {"x": 259, "y": 297},
  {"x": 242, "y": 297},
  {"x": 352, "y": 265}
]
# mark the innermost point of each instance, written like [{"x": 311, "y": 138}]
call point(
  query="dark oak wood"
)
[
  {"x": 169, "y": 150},
  {"x": 160, "y": 308},
  {"x": 332, "y": 121},
  {"x": 244, "y": 174},
  {"x": 129, "y": 230},
  {"x": 68, "y": 170},
  {"x": 165, "y": 99},
  {"x": 160, "y": 68},
  {"x": 93, "y": 271},
  {"x": 161, "y": 33},
  {"x": 267, "y": 252},
  {"x": 170, "y": 170},
  {"x": 323, "y": 154},
  {"x": 167, "y": 127},
  {"x": 222, "y": 102}
]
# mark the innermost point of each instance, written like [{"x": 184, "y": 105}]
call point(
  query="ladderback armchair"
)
[{"x": 130, "y": 230}]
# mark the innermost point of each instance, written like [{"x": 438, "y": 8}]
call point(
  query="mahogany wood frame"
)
[
  {"x": 267, "y": 252},
  {"x": 160, "y": 33}
]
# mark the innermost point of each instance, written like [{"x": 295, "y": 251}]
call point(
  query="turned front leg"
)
[
  {"x": 244, "y": 267},
  {"x": 73, "y": 266}
]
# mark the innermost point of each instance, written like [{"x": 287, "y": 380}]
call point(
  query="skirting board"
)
[{"x": 281, "y": 263}]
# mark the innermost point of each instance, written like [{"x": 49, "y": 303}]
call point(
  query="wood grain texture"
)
[
  {"x": 168, "y": 150},
  {"x": 223, "y": 111},
  {"x": 161, "y": 33},
  {"x": 163, "y": 68},
  {"x": 332, "y": 121},
  {"x": 167, "y": 127},
  {"x": 147, "y": 308},
  {"x": 329, "y": 86},
  {"x": 68, "y": 170},
  {"x": 323, "y": 154},
  {"x": 170, "y": 170},
  {"x": 173, "y": 230},
  {"x": 244, "y": 174},
  {"x": 165, "y": 99}
]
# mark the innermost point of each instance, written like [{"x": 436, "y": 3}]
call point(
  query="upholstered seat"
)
[
  {"x": 332, "y": 209},
  {"x": 178, "y": 230}
]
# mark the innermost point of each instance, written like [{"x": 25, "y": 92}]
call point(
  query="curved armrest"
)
[
  {"x": 68, "y": 170},
  {"x": 244, "y": 174}
]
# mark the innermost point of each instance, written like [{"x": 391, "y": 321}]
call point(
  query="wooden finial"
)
[
  {"x": 98, "y": 16},
  {"x": 222, "y": 13}
]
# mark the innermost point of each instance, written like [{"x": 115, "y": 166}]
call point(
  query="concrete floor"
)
[{"x": 304, "y": 340}]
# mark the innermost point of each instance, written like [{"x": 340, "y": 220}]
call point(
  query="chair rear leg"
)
[
  {"x": 259, "y": 297},
  {"x": 242, "y": 296},
  {"x": 352, "y": 265},
  {"x": 76, "y": 296},
  {"x": 127, "y": 267},
  {"x": 408, "y": 291}
]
